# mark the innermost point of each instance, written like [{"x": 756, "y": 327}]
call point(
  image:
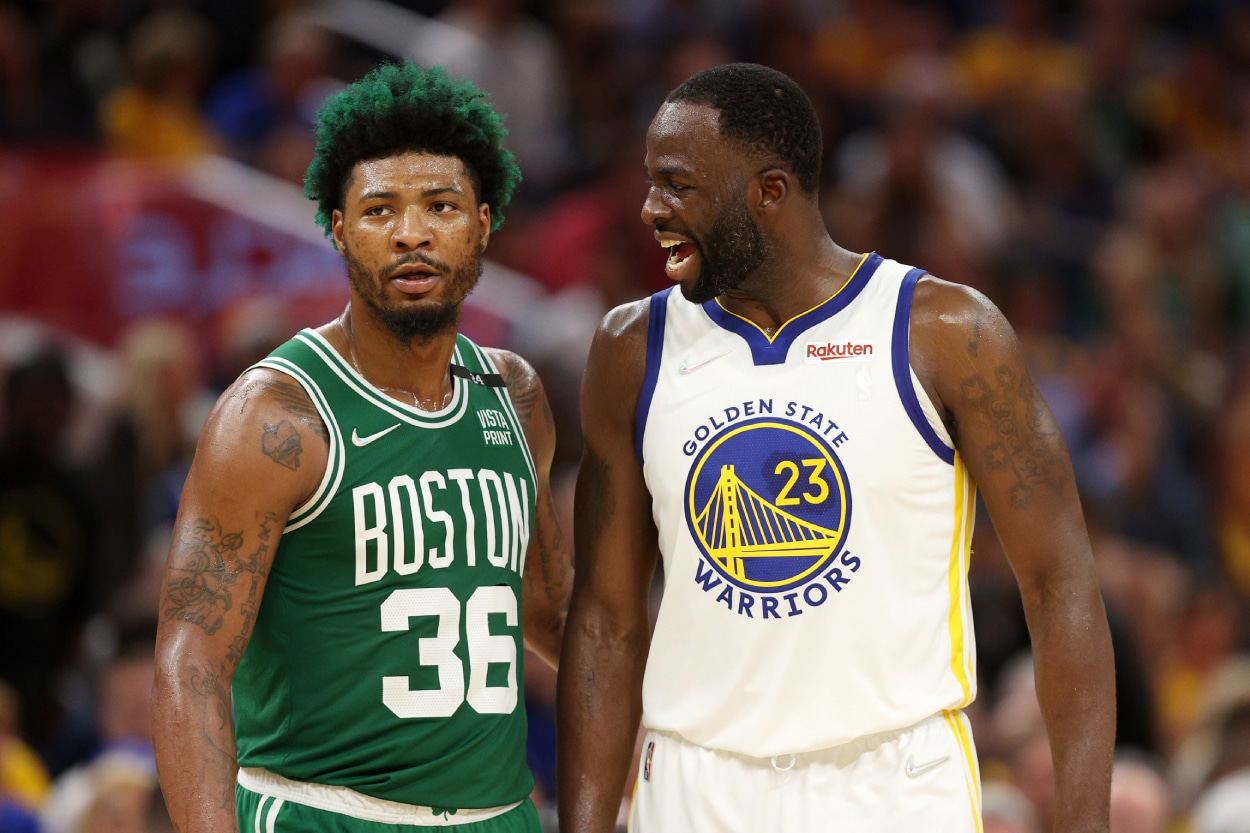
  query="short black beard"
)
[
  {"x": 733, "y": 249},
  {"x": 409, "y": 323}
]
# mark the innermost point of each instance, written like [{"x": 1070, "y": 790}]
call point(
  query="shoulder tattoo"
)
[
  {"x": 525, "y": 391},
  {"x": 281, "y": 443},
  {"x": 294, "y": 400}
]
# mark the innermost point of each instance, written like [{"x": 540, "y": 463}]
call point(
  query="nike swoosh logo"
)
[
  {"x": 913, "y": 770},
  {"x": 361, "y": 442},
  {"x": 685, "y": 367}
]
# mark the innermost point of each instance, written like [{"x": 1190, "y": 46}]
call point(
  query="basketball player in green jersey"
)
[{"x": 366, "y": 539}]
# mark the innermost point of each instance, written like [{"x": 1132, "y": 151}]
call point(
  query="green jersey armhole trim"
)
[
  {"x": 365, "y": 389},
  {"x": 505, "y": 397},
  {"x": 333, "y": 476}
]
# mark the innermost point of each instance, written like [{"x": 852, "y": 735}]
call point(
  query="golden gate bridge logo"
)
[{"x": 775, "y": 540}]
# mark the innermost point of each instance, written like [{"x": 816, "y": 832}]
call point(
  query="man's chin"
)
[
  {"x": 698, "y": 291},
  {"x": 421, "y": 322}
]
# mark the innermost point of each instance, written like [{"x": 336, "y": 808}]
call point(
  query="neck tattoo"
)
[{"x": 429, "y": 405}]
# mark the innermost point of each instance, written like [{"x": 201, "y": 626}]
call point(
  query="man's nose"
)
[
  {"x": 412, "y": 231},
  {"x": 654, "y": 207}
]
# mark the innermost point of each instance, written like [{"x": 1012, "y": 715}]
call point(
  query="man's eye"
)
[
  {"x": 376, "y": 211},
  {"x": 442, "y": 207}
]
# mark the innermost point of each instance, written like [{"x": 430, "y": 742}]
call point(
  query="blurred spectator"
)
[
  {"x": 1206, "y": 637},
  {"x": 1161, "y": 260},
  {"x": 267, "y": 113},
  {"x": 47, "y": 538},
  {"x": 854, "y": 49},
  {"x": 1004, "y": 809},
  {"x": 1008, "y": 65},
  {"x": 120, "y": 746},
  {"x": 246, "y": 331},
  {"x": 919, "y": 187},
  {"x": 1194, "y": 106},
  {"x": 112, "y": 794},
  {"x": 24, "y": 781},
  {"x": 1140, "y": 802},
  {"x": 57, "y": 60},
  {"x": 1066, "y": 203},
  {"x": 157, "y": 114},
  {"x": 1233, "y": 478},
  {"x": 515, "y": 59},
  {"x": 1225, "y": 807},
  {"x": 147, "y": 452},
  {"x": 1219, "y": 743},
  {"x": 1121, "y": 52},
  {"x": 1129, "y": 456}
]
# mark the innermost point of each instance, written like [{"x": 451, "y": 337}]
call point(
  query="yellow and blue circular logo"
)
[{"x": 768, "y": 504}]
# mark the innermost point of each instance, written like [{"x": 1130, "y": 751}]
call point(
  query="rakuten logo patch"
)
[{"x": 817, "y": 352}]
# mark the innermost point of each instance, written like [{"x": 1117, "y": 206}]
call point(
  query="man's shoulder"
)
[
  {"x": 628, "y": 321},
  {"x": 947, "y": 305}
]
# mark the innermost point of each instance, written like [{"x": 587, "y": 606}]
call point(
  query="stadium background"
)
[{"x": 1086, "y": 163}]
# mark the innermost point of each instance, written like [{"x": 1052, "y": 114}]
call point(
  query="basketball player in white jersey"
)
[{"x": 799, "y": 432}]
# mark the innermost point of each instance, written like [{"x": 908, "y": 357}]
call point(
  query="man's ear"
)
[
  {"x": 336, "y": 230},
  {"x": 772, "y": 189},
  {"x": 483, "y": 217}
]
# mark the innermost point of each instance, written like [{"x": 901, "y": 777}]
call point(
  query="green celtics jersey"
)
[{"x": 387, "y": 652}]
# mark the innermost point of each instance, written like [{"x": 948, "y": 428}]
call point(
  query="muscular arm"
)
[
  {"x": 970, "y": 361},
  {"x": 608, "y": 632},
  {"x": 262, "y": 452},
  {"x": 548, "y": 575}
]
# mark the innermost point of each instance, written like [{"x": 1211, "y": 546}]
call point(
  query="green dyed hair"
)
[{"x": 403, "y": 108}]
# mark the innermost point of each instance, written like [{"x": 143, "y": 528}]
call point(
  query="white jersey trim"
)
[
  {"x": 336, "y": 463},
  {"x": 346, "y": 801},
  {"x": 368, "y": 391}
]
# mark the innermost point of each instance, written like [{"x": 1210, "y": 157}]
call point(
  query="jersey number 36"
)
[{"x": 438, "y": 651}]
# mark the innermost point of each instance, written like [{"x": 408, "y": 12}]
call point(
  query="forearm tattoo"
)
[
  {"x": 552, "y": 574},
  {"x": 217, "y": 730}
]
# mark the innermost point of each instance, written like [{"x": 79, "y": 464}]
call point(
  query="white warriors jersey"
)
[{"x": 814, "y": 521}]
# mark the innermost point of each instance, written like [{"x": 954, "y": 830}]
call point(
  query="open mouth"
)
[
  {"x": 682, "y": 254},
  {"x": 414, "y": 279}
]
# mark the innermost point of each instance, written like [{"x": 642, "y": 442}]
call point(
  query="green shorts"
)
[{"x": 261, "y": 813}]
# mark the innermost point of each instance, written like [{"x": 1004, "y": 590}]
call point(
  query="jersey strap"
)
[{"x": 487, "y": 380}]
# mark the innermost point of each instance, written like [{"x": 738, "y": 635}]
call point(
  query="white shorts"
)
[{"x": 924, "y": 777}]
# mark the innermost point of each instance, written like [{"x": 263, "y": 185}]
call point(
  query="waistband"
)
[
  {"x": 348, "y": 802},
  {"x": 840, "y": 753}
]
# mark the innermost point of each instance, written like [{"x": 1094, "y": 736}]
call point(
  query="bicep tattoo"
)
[
  {"x": 1025, "y": 443},
  {"x": 203, "y": 571}
]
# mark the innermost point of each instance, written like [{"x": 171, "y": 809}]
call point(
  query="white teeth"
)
[{"x": 669, "y": 243}]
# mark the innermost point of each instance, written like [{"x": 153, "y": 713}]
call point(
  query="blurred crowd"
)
[{"x": 1085, "y": 163}]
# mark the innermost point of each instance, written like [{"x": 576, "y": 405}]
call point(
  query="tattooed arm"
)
[
  {"x": 548, "y": 576},
  {"x": 972, "y": 366},
  {"x": 609, "y": 630},
  {"x": 262, "y": 453}
]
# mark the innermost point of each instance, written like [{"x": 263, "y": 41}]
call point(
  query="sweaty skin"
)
[
  {"x": 971, "y": 365},
  {"x": 264, "y": 449}
]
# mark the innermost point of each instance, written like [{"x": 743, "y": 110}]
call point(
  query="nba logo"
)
[{"x": 646, "y": 762}]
